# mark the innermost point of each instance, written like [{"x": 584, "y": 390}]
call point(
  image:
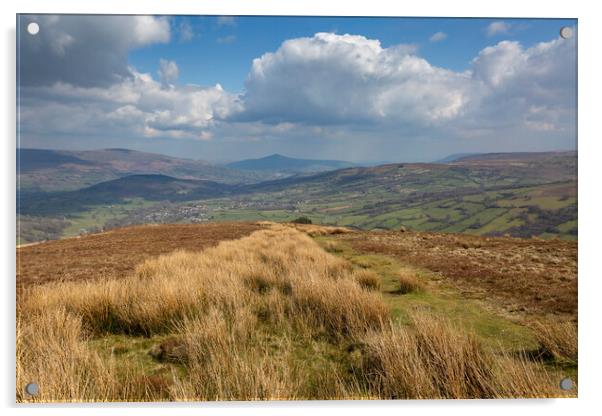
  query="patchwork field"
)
[{"x": 245, "y": 311}]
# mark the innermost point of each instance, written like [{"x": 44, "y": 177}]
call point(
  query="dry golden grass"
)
[
  {"x": 269, "y": 316},
  {"x": 409, "y": 282},
  {"x": 166, "y": 290},
  {"x": 116, "y": 253},
  {"x": 315, "y": 230},
  {"x": 438, "y": 360},
  {"x": 52, "y": 351},
  {"x": 557, "y": 340},
  {"x": 367, "y": 279}
]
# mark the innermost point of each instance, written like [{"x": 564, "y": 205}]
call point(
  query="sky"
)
[{"x": 222, "y": 88}]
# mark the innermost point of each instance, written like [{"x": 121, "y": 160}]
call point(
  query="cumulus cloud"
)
[
  {"x": 438, "y": 37},
  {"x": 328, "y": 86},
  {"x": 84, "y": 50},
  {"x": 332, "y": 78},
  {"x": 138, "y": 106},
  {"x": 168, "y": 71},
  {"x": 498, "y": 28},
  {"x": 535, "y": 85}
]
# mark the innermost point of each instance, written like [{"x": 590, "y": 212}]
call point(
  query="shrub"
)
[{"x": 302, "y": 220}]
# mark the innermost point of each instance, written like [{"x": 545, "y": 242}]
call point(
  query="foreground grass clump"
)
[
  {"x": 52, "y": 351},
  {"x": 367, "y": 279},
  {"x": 269, "y": 316},
  {"x": 409, "y": 282},
  {"x": 558, "y": 340},
  {"x": 439, "y": 360}
]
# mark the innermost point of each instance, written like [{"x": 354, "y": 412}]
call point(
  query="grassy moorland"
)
[{"x": 287, "y": 312}]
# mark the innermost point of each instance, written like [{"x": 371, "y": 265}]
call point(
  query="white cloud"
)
[
  {"x": 339, "y": 79},
  {"x": 498, "y": 28},
  {"x": 438, "y": 37},
  {"x": 168, "y": 71},
  {"x": 149, "y": 29},
  {"x": 139, "y": 106}
]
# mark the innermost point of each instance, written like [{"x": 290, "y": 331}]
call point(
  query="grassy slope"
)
[
  {"x": 439, "y": 298},
  {"x": 306, "y": 352}
]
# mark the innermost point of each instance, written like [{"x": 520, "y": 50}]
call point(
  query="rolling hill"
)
[
  {"x": 485, "y": 195},
  {"x": 148, "y": 187},
  {"x": 62, "y": 170}
]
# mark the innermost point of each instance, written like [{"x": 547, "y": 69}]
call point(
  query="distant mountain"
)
[
  {"x": 281, "y": 163},
  {"x": 61, "y": 170}
]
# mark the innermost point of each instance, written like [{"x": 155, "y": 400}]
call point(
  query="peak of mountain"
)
[{"x": 278, "y": 162}]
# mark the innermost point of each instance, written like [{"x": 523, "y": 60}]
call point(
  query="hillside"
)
[
  {"x": 149, "y": 188},
  {"x": 153, "y": 187},
  {"x": 275, "y": 311},
  {"x": 515, "y": 158},
  {"x": 532, "y": 197},
  {"x": 279, "y": 163},
  {"x": 62, "y": 170}
]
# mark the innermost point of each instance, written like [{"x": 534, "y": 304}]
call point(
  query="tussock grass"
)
[
  {"x": 435, "y": 359},
  {"x": 332, "y": 247},
  {"x": 269, "y": 316},
  {"x": 557, "y": 340},
  {"x": 409, "y": 282},
  {"x": 52, "y": 351},
  {"x": 367, "y": 279}
]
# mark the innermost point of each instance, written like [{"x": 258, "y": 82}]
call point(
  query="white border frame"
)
[{"x": 590, "y": 152}]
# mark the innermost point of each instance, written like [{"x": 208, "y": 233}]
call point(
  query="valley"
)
[{"x": 521, "y": 195}]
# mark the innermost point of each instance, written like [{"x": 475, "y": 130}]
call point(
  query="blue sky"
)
[
  {"x": 360, "y": 89},
  {"x": 206, "y": 59}
]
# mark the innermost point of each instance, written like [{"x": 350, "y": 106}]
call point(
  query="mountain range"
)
[{"x": 65, "y": 170}]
